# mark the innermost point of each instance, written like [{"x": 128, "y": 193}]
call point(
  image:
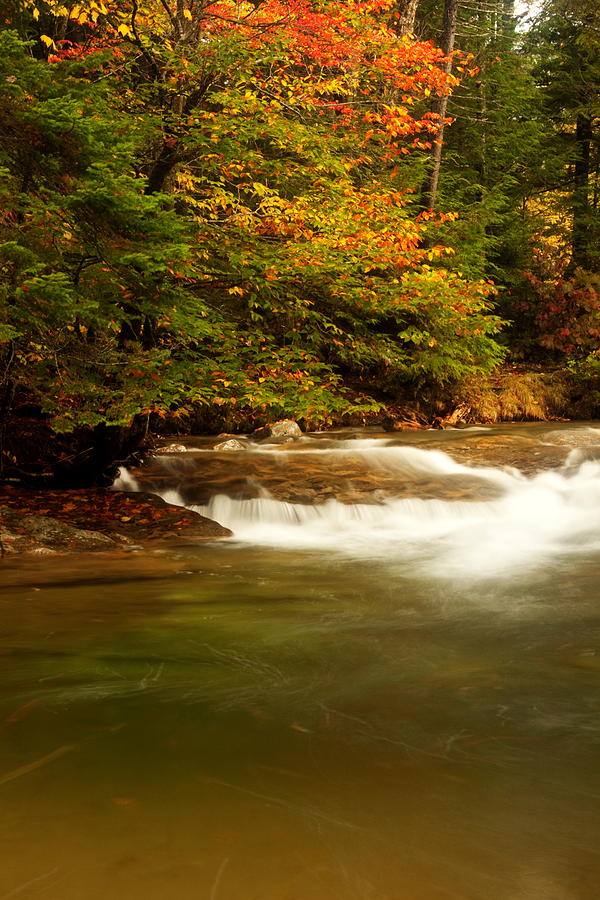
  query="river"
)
[{"x": 389, "y": 691}]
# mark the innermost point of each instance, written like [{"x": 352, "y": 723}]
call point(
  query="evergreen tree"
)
[
  {"x": 215, "y": 209},
  {"x": 567, "y": 48}
]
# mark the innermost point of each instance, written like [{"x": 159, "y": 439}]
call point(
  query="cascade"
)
[{"x": 371, "y": 498}]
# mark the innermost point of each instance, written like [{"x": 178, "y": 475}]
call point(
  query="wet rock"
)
[
  {"x": 315, "y": 478},
  {"x": 517, "y": 451},
  {"x": 282, "y": 430},
  {"x": 305, "y": 476},
  {"x": 45, "y": 535},
  {"x": 231, "y": 444},
  {"x": 148, "y": 517},
  {"x": 172, "y": 448},
  {"x": 97, "y": 520},
  {"x": 579, "y": 455},
  {"x": 404, "y": 425},
  {"x": 576, "y": 437},
  {"x": 199, "y": 492}
]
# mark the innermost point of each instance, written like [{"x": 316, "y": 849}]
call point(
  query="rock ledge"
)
[{"x": 93, "y": 520}]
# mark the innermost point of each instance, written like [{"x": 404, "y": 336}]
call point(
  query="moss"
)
[{"x": 515, "y": 396}]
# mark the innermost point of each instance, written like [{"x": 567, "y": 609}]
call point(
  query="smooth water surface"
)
[{"x": 399, "y": 702}]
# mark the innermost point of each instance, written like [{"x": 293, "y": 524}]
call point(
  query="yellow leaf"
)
[
  {"x": 124, "y": 29},
  {"x": 47, "y": 41},
  {"x": 36, "y": 14},
  {"x": 187, "y": 14}
]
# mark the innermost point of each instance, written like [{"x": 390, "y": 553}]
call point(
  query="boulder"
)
[
  {"x": 231, "y": 444},
  {"x": 62, "y": 521},
  {"x": 171, "y": 448},
  {"x": 44, "y": 534},
  {"x": 286, "y": 429}
]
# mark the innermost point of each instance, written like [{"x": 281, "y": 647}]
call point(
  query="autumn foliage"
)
[{"x": 217, "y": 203}]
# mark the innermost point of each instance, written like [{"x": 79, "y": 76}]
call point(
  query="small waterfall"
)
[
  {"x": 509, "y": 520},
  {"x": 125, "y": 481}
]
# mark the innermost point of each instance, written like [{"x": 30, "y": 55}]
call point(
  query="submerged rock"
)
[
  {"x": 575, "y": 437},
  {"x": 364, "y": 472},
  {"x": 528, "y": 454},
  {"x": 309, "y": 478}
]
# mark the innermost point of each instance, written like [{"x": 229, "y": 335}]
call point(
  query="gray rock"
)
[
  {"x": 44, "y": 535},
  {"x": 231, "y": 444},
  {"x": 171, "y": 448},
  {"x": 282, "y": 430}
]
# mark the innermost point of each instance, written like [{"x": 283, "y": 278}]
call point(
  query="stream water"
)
[{"x": 391, "y": 692}]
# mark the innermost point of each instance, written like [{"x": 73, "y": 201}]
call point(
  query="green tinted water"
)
[
  {"x": 394, "y": 702},
  {"x": 240, "y": 723}
]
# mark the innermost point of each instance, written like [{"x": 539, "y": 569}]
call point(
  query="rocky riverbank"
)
[
  {"x": 47, "y": 522},
  {"x": 291, "y": 468}
]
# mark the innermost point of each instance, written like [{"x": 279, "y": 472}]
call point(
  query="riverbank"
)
[
  {"x": 47, "y": 522},
  {"x": 277, "y": 462},
  {"x": 34, "y": 454}
]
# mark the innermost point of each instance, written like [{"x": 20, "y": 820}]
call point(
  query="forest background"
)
[{"x": 214, "y": 214}]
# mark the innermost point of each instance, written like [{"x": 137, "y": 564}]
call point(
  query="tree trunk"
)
[
  {"x": 508, "y": 23},
  {"x": 6, "y": 399},
  {"x": 162, "y": 168},
  {"x": 482, "y": 116},
  {"x": 407, "y": 12},
  {"x": 441, "y": 104},
  {"x": 580, "y": 236}
]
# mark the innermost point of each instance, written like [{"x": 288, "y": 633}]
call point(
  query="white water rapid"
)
[{"x": 531, "y": 519}]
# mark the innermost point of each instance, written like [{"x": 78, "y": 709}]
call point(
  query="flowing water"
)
[{"x": 391, "y": 692}]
